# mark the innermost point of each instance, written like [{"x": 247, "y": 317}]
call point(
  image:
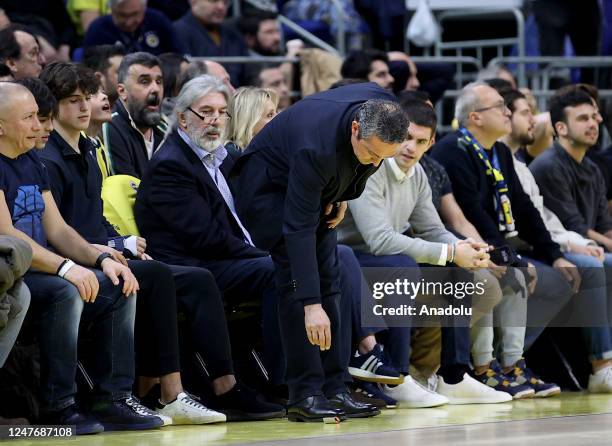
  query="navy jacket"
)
[
  {"x": 197, "y": 43},
  {"x": 76, "y": 184},
  {"x": 299, "y": 162},
  {"x": 181, "y": 213},
  {"x": 155, "y": 35},
  {"x": 474, "y": 192},
  {"x": 125, "y": 144}
]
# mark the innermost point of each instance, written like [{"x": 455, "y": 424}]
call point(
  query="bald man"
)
[
  {"x": 70, "y": 282},
  {"x": 219, "y": 71},
  {"x": 21, "y": 53}
]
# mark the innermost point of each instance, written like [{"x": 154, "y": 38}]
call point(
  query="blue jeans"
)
[
  {"x": 110, "y": 319},
  {"x": 596, "y": 289}
]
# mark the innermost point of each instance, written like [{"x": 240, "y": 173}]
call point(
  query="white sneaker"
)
[
  {"x": 411, "y": 394},
  {"x": 186, "y": 410},
  {"x": 601, "y": 381},
  {"x": 470, "y": 391}
]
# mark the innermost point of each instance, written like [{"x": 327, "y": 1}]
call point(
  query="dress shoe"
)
[
  {"x": 352, "y": 408},
  {"x": 314, "y": 409}
]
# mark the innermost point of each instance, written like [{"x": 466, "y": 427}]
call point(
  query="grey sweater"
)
[{"x": 375, "y": 222}]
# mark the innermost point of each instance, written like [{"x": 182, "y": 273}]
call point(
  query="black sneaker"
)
[
  {"x": 73, "y": 416},
  {"x": 126, "y": 415},
  {"x": 244, "y": 404}
]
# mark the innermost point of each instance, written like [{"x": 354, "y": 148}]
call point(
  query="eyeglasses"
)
[
  {"x": 501, "y": 105},
  {"x": 209, "y": 115}
]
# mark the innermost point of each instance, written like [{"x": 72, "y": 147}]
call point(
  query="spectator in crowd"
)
[
  {"x": 203, "y": 34},
  {"x": 173, "y": 9},
  {"x": 398, "y": 197},
  {"x": 48, "y": 21},
  {"x": 5, "y": 22},
  {"x": 216, "y": 69},
  {"x": 105, "y": 61},
  {"x": 5, "y": 73},
  {"x": 370, "y": 65},
  {"x": 20, "y": 51},
  {"x": 491, "y": 197},
  {"x": 134, "y": 26},
  {"x": 579, "y": 250},
  {"x": 173, "y": 67},
  {"x": 251, "y": 108},
  {"x": 261, "y": 32},
  {"x": 137, "y": 127},
  {"x": 294, "y": 217},
  {"x": 409, "y": 80},
  {"x": 84, "y": 12},
  {"x": 64, "y": 293},
  {"x": 185, "y": 208},
  {"x": 274, "y": 79}
]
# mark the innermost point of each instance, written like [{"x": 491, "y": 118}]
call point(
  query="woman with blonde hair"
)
[{"x": 251, "y": 108}]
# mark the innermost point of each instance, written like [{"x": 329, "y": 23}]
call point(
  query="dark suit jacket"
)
[
  {"x": 181, "y": 212},
  {"x": 301, "y": 161}
]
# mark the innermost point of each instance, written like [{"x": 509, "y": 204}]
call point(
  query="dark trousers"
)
[
  {"x": 310, "y": 371},
  {"x": 455, "y": 330},
  {"x": 110, "y": 319}
]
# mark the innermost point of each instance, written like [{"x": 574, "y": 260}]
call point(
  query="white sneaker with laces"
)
[
  {"x": 601, "y": 381},
  {"x": 186, "y": 410},
  {"x": 411, "y": 394},
  {"x": 144, "y": 410},
  {"x": 470, "y": 391}
]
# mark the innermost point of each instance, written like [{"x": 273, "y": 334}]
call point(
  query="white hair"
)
[
  {"x": 467, "y": 102},
  {"x": 192, "y": 91}
]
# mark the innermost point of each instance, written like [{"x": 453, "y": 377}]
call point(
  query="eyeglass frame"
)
[
  {"x": 210, "y": 118},
  {"x": 501, "y": 105}
]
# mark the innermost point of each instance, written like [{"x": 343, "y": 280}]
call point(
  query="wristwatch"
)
[{"x": 100, "y": 259}]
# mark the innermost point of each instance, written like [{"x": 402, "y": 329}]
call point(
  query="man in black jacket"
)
[
  {"x": 137, "y": 127},
  {"x": 290, "y": 187},
  {"x": 492, "y": 198}
]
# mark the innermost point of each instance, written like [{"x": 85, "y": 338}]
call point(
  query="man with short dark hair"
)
[
  {"x": 290, "y": 186},
  {"x": 261, "y": 32},
  {"x": 19, "y": 50},
  {"x": 371, "y": 65},
  {"x": 273, "y": 78},
  {"x": 134, "y": 26},
  {"x": 137, "y": 127},
  {"x": 105, "y": 61}
]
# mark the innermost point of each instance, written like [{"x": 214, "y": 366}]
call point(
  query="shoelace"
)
[
  {"x": 139, "y": 408},
  {"x": 193, "y": 403}
]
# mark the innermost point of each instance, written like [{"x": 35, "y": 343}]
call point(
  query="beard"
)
[
  {"x": 202, "y": 137},
  {"x": 526, "y": 139},
  {"x": 142, "y": 117}
]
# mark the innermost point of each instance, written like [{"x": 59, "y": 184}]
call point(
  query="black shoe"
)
[
  {"x": 73, "y": 416},
  {"x": 126, "y": 415},
  {"x": 352, "y": 408},
  {"x": 314, "y": 409},
  {"x": 244, "y": 404}
]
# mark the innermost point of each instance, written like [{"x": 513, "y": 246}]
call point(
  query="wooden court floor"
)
[{"x": 569, "y": 419}]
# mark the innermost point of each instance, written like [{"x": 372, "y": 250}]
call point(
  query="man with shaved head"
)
[{"x": 70, "y": 282}]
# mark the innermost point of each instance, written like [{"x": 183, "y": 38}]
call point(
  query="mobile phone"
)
[{"x": 502, "y": 256}]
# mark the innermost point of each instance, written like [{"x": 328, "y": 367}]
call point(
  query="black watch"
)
[{"x": 100, "y": 259}]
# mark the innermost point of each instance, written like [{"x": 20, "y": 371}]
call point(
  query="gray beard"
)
[{"x": 144, "y": 118}]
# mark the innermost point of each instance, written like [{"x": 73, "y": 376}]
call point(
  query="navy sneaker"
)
[
  {"x": 374, "y": 367},
  {"x": 523, "y": 375},
  {"x": 373, "y": 391},
  {"x": 126, "y": 415},
  {"x": 494, "y": 378},
  {"x": 73, "y": 416}
]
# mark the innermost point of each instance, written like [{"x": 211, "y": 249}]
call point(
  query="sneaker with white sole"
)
[
  {"x": 141, "y": 409},
  {"x": 373, "y": 367},
  {"x": 186, "y": 410},
  {"x": 524, "y": 375},
  {"x": 470, "y": 391},
  {"x": 411, "y": 394},
  {"x": 601, "y": 381},
  {"x": 494, "y": 378}
]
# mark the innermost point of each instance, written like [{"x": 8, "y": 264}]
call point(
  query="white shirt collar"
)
[{"x": 399, "y": 174}]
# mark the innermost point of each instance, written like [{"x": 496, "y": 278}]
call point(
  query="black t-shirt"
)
[
  {"x": 438, "y": 180},
  {"x": 23, "y": 180}
]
